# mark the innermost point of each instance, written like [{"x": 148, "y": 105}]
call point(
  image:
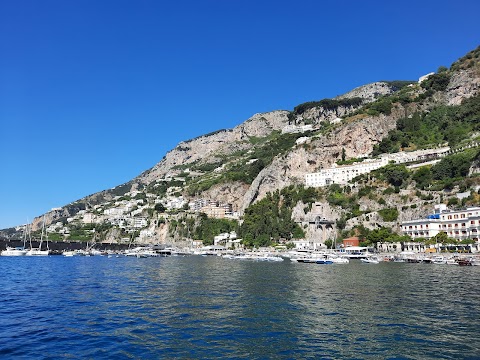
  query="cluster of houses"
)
[{"x": 129, "y": 212}]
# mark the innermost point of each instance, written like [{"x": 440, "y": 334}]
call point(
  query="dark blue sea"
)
[{"x": 209, "y": 308}]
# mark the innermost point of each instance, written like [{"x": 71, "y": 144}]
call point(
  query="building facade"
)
[
  {"x": 343, "y": 174},
  {"x": 459, "y": 224}
]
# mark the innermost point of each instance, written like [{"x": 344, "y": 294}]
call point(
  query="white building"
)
[
  {"x": 343, "y": 174},
  {"x": 224, "y": 238},
  {"x": 291, "y": 129},
  {"x": 114, "y": 211},
  {"x": 460, "y": 224}
]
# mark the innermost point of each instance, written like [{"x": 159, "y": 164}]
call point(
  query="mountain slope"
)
[{"x": 271, "y": 151}]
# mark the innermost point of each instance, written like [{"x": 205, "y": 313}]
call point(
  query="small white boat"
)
[
  {"x": 69, "y": 253},
  {"x": 439, "y": 260},
  {"x": 269, "y": 257},
  {"x": 451, "y": 261},
  {"x": 370, "y": 260},
  {"x": 14, "y": 251},
  {"x": 37, "y": 252},
  {"x": 339, "y": 259}
]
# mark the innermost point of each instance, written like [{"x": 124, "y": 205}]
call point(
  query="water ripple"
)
[{"x": 100, "y": 308}]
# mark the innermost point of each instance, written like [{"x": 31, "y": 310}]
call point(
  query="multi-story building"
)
[
  {"x": 214, "y": 211},
  {"x": 463, "y": 224},
  {"x": 343, "y": 174},
  {"x": 458, "y": 224}
]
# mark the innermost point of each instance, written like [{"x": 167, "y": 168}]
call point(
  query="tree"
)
[
  {"x": 441, "y": 238},
  {"x": 394, "y": 174},
  {"x": 329, "y": 243},
  {"x": 423, "y": 177}
]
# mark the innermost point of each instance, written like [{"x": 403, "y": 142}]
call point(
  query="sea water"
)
[{"x": 208, "y": 307}]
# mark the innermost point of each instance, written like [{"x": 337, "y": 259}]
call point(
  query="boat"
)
[
  {"x": 308, "y": 258},
  {"x": 325, "y": 261},
  {"x": 18, "y": 250},
  {"x": 38, "y": 251},
  {"x": 370, "y": 260},
  {"x": 267, "y": 257},
  {"x": 464, "y": 262},
  {"x": 141, "y": 252},
  {"x": 70, "y": 253},
  {"x": 14, "y": 251},
  {"x": 439, "y": 260},
  {"x": 451, "y": 261},
  {"x": 339, "y": 259}
]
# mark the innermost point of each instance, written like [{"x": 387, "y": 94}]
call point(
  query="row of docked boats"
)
[
  {"x": 461, "y": 260},
  {"x": 422, "y": 259},
  {"x": 318, "y": 258},
  {"x": 252, "y": 256},
  {"x": 22, "y": 251},
  {"x": 32, "y": 251},
  {"x": 138, "y": 252}
]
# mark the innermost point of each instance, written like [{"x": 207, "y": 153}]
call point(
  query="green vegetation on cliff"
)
[
  {"x": 440, "y": 125},
  {"x": 270, "y": 219}
]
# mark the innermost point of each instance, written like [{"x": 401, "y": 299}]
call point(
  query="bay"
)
[{"x": 208, "y": 307}]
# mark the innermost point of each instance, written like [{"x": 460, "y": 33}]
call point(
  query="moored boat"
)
[
  {"x": 439, "y": 260},
  {"x": 370, "y": 260},
  {"x": 14, "y": 251}
]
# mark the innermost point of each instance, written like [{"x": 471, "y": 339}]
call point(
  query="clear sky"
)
[{"x": 93, "y": 93}]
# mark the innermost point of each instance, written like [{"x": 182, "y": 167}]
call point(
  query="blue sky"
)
[{"x": 92, "y": 93}]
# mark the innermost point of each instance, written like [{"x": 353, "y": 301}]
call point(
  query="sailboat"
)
[
  {"x": 19, "y": 250},
  {"x": 14, "y": 251},
  {"x": 38, "y": 251}
]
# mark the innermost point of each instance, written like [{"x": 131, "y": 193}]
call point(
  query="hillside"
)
[{"x": 272, "y": 152}]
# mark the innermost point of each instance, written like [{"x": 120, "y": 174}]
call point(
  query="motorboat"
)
[
  {"x": 325, "y": 261},
  {"x": 370, "y": 260},
  {"x": 451, "y": 261},
  {"x": 439, "y": 260},
  {"x": 339, "y": 259}
]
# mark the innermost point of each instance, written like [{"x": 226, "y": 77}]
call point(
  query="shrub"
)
[{"x": 389, "y": 214}]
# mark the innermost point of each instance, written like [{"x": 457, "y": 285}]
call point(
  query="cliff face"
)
[
  {"x": 368, "y": 93},
  {"x": 463, "y": 85},
  {"x": 357, "y": 139},
  {"x": 211, "y": 148}
]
